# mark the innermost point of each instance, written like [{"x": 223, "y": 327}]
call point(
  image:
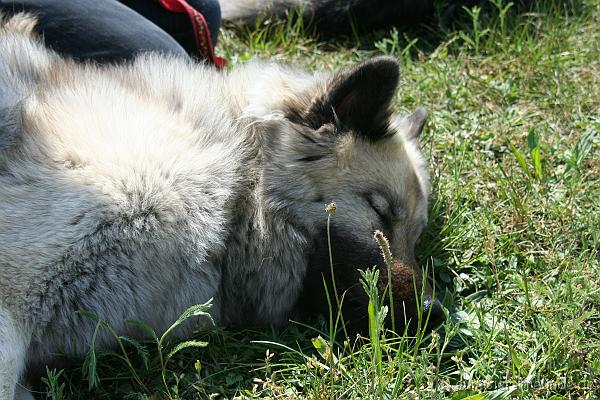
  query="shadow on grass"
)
[
  {"x": 234, "y": 361},
  {"x": 450, "y": 17}
]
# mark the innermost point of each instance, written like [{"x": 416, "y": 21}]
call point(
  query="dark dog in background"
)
[
  {"x": 343, "y": 17},
  {"x": 332, "y": 17}
]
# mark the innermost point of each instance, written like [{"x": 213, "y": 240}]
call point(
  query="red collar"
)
[{"x": 201, "y": 31}]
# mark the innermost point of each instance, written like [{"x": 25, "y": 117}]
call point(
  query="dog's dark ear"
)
[{"x": 359, "y": 99}]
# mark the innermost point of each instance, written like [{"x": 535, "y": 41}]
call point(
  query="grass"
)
[{"x": 513, "y": 237}]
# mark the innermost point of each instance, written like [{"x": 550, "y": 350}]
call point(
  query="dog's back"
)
[{"x": 106, "y": 177}]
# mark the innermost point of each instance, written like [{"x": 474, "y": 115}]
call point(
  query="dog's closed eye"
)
[{"x": 382, "y": 207}]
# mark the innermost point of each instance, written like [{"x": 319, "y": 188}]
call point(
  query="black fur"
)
[
  {"x": 359, "y": 99},
  {"x": 350, "y": 251},
  {"x": 334, "y": 17},
  {"x": 353, "y": 250},
  {"x": 347, "y": 17}
]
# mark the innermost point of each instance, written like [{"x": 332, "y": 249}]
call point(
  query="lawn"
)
[{"x": 512, "y": 243}]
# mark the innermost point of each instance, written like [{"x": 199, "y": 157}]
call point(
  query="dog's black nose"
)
[{"x": 433, "y": 309}]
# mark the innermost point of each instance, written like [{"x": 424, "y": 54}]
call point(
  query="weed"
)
[
  {"x": 55, "y": 388},
  {"x": 163, "y": 350}
]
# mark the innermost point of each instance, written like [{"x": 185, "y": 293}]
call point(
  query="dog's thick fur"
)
[{"x": 136, "y": 191}]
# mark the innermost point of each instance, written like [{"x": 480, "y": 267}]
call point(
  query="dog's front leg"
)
[{"x": 13, "y": 350}]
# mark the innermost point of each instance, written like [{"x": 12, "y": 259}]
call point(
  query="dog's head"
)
[{"x": 336, "y": 139}]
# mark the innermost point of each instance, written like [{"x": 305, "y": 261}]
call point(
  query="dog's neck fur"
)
[
  {"x": 266, "y": 238},
  {"x": 276, "y": 241}
]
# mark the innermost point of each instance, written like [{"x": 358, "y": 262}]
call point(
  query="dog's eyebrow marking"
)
[{"x": 310, "y": 158}]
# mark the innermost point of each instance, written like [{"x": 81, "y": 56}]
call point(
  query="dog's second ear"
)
[
  {"x": 415, "y": 123},
  {"x": 359, "y": 99}
]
